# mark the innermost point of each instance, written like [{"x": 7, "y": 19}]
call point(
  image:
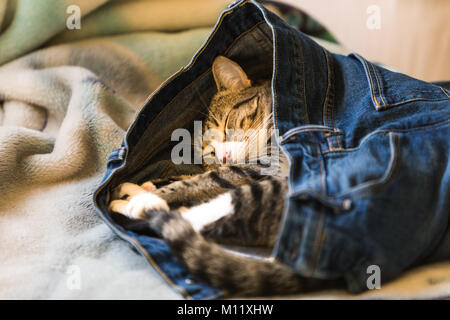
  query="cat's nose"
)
[{"x": 226, "y": 156}]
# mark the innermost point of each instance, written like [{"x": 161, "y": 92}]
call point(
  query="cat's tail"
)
[{"x": 235, "y": 274}]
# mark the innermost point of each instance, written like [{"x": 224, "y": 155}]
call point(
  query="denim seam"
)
[
  {"x": 211, "y": 36},
  {"x": 316, "y": 245},
  {"x": 325, "y": 103},
  {"x": 321, "y": 240},
  {"x": 445, "y": 92},
  {"x": 384, "y": 181},
  {"x": 329, "y": 103},
  {"x": 371, "y": 84},
  {"x": 243, "y": 34},
  {"x": 410, "y": 100},
  {"x": 318, "y": 234},
  {"x": 377, "y": 90},
  {"x": 274, "y": 79},
  {"x": 379, "y": 83},
  {"x": 303, "y": 83},
  {"x": 427, "y": 127},
  {"x": 384, "y": 105},
  {"x": 294, "y": 248},
  {"x": 322, "y": 173},
  {"x": 333, "y": 101},
  {"x": 259, "y": 41},
  {"x": 383, "y": 185},
  {"x": 309, "y": 128},
  {"x": 166, "y": 170},
  {"x": 285, "y": 215}
]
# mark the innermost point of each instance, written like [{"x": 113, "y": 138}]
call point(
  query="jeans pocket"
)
[
  {"x": 390, "y": 89},
  {"x": 364, "y": 170}
]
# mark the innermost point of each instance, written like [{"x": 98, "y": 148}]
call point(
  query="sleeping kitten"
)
[{"x": 232, "y": 203}]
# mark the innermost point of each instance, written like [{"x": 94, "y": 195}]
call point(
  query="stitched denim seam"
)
[
  {"x": 379, "y": 83},
  {"x": 259, "y": 43},
  {"x": 386, "y": 107},
  {"x": 327, "y": 97},
  {"x": 384, "y": 131},
  {"x": 318, "y": 234},
  {"x": 371, "y": 84},
  {"x": 385, "y": 183},
  {"x": 285, "y": 215},
  {"x": 302, "y": 81},
  {"x": 322, "y": 174},
  {"x": 243, "y": 34},
  {"x": 377, "y": 184},
  {"x": 329, "y": 103},
  {"x": 445, "y": 92},
  {"x": 166, "y": 170},
  {"x": 321, "y": 240},
  {"x": 291, "y": 134},
  {"x": 377, "y": 90},
  {"x": 316, "y": 247},
  {"x": 211, "y": 36},
  {"x": 333, "y": 100}
]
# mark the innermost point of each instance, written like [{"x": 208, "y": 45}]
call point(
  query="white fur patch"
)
[
  {"x": 145, "y": 201},
  {"x": 206, "y": 213}
]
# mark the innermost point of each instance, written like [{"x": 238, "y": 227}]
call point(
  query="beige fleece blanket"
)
[{"x": 66, "y": 96}]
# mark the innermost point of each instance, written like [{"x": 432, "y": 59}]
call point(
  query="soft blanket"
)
[
  {"x": 63, "y": 109},
  {"x": 66, "y": 97}
]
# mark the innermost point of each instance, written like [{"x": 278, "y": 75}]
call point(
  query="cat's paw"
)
[
  {"x": 118, "y": 206},
  {"x": 148, "y": 186},
  {"x": 127, "y": 190},
  {"x": 137, "y": 206}
]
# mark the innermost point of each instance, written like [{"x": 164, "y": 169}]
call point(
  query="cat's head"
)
[{"x": 238, "y": 125}]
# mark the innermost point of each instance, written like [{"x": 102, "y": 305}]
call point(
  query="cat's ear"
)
[{"x": 229, "y": 75}]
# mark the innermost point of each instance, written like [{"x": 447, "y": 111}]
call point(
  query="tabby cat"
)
[{"x": 232, "y": 203}]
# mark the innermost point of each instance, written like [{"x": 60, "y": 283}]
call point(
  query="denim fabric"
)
[{"x": 368, "y": 151}]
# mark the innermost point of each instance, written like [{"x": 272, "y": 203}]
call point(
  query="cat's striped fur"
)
[{"x": 228, "y": 204}]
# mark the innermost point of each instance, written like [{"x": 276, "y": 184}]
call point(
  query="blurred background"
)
[{"x": 411, "y": 36}]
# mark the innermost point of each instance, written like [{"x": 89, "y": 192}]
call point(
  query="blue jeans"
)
[{"x": 368, "y": 148}]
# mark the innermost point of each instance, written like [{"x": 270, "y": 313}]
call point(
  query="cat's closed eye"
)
[{"x": 240, "y": 114}]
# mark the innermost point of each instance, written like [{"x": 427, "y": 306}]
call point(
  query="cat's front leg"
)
[
  {"x": 248, "y": 215},
  {"x": 133, "y": 200},
  {"x": 201, "y": 188}
]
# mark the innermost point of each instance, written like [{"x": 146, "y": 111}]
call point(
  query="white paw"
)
[
  {"x": 128, "y": 190},
  {"x": 138, "y": 205}
]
